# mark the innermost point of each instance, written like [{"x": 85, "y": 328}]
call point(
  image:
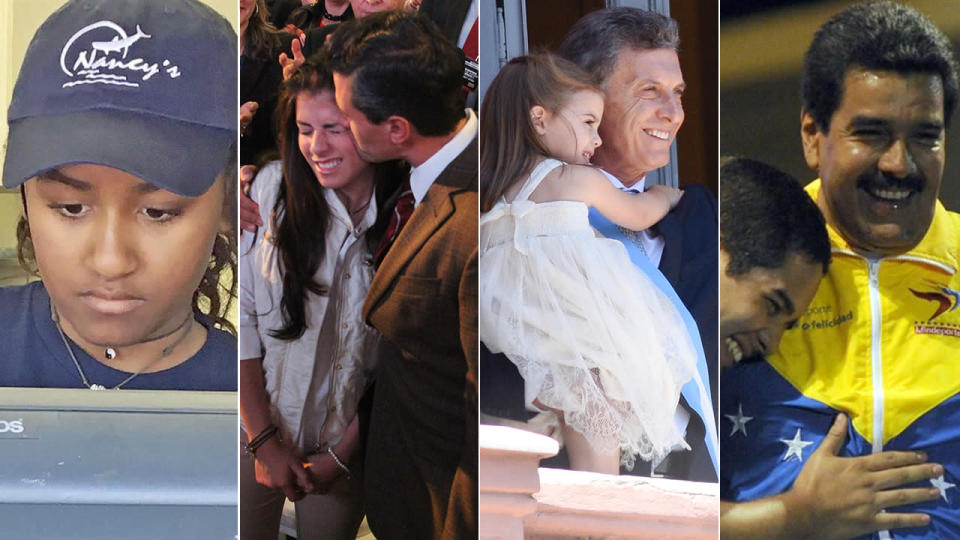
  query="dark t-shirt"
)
[{"x": 32, "y": 354}]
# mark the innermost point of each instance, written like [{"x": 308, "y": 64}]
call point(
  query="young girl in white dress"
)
[{"x": 602, "y": 351}]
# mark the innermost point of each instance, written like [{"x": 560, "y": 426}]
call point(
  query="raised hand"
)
[
  {"x": 290, "y": 65},
  {"x": 249, "y": 209},
  {"x": 247, "y": 110}
]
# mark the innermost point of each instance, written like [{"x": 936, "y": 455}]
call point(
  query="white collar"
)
[
  {"x": 468, "y": 23},
  {"x": 640, "y": 185},
  {"x": 422, "y": 177}
]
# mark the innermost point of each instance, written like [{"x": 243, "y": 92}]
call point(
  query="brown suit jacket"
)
[{"x": 421, "y": 461}]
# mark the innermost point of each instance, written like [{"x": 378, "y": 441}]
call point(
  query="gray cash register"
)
[{"x": 80, "y": 464}]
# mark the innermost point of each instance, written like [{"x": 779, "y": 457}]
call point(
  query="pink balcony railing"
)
[{"x": 518, "y": 500}]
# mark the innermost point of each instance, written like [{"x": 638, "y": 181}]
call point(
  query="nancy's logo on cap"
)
[{"x": 99, "y": 53}]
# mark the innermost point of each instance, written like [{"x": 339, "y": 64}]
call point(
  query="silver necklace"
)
[{"x": 163, "y": 354}]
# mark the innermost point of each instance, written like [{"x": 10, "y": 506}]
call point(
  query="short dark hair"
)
[
  {"x": 881, "y": 36},
  {"x": 765, "y": 216},
  {"x": 594, "y": 41},
  {"x": 404, "y": 66}
]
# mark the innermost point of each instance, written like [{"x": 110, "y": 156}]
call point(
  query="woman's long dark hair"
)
[
  {"x": 300, "y": 213},
  {"x": 218, "y": 287},
  {"x": 260, "y": 39}
]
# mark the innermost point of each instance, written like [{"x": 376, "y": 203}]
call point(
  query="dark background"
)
[{"x": 549, "y": 20}]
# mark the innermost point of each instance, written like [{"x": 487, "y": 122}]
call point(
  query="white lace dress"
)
[{"x": 588, "y": 331}]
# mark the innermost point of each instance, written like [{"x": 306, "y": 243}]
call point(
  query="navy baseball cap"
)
[{"x": 145, "y": 86}]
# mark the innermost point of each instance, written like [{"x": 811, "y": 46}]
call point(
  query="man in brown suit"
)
[{"x": 398, "y": 81}]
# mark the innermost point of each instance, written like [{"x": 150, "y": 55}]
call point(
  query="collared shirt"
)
[
  {"x": 652, "y": 246},
  {"x": 650, "y": 243},
  {"x": 314, "y": 382},
  {"x": 422, "y": 177},
  {"x": 468, "y": 22}
]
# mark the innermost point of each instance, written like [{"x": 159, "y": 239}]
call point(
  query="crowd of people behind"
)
[{"x": 357, "y": 313}]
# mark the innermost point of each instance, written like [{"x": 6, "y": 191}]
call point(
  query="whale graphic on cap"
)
[{"x": 117, "y": 44}]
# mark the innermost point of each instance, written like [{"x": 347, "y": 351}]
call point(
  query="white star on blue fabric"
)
[
  {"x": 942, "y": 485},
  {"x": 795, "y": 447},
  {"x": 739, "y": 421}
]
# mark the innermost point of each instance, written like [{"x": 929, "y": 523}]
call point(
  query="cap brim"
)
[{"x": 177, "y": 156}]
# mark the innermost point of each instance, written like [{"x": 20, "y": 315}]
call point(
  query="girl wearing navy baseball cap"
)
[{"x": 123, "y": 143}]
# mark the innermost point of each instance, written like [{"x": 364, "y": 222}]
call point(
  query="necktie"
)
[
  {"x": 399, "y": 218},
  {"x": 470, "y": 46},
  {"x": 635, "y": 237}
]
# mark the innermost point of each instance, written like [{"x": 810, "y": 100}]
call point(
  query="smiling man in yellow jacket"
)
[{"x": 881, "y": 339}]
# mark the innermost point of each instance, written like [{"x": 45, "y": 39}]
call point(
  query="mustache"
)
[{"x": 884, "y": 181}]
